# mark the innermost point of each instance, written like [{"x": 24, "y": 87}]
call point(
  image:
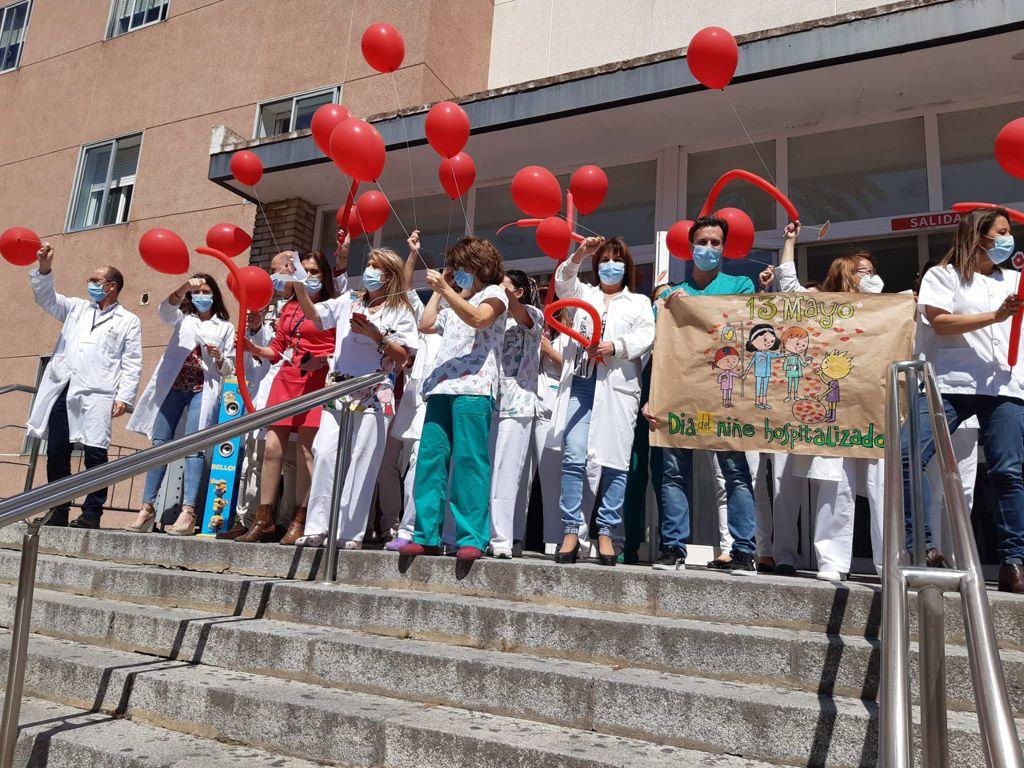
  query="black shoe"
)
[
  {"x": 568, "y": 557},
  {"x": 607, "y": 559},
  {"x": 517, "y": 549},
  {"x": 84, "y": 521},
  {"x": 59, "y": 519},
  {"x": 785, "y": 569},
  {"x": 671, "y": 559},
  {"x": 742, "y": 564},
  {"x": 720, "y": 565}
]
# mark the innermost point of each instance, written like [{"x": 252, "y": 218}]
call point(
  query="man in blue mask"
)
[{"x": 707, "y": 240}]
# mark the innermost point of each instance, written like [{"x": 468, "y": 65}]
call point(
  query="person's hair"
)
[
  {"x": 963, "y": 255},
  {"x": 812, "y": 284},
  {"x": 392, "y": 266},
  {"x": 793, "y": 332},
  {"x": 114, "y": 276},
  {"x": 620, "y": 252},
  {"x": 479, "y": 257},
  {"x": 219, "y": 308},
  {"x": 759, "y": 330},
  {"x": 327, "y": 289},
  {"x": 523, "y": 282},
  {"x": 842, "y": 273},
  {"x": 709, "y": 221},
  {"x": 722, "y": 352}
]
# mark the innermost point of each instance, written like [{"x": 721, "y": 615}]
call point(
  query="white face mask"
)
[{"x": 871, "y": 284}]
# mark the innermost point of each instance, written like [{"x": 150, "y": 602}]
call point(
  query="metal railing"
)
[
  {"x": 34, "y": 442},
  {"x": 1000, "y": 743},
  {"x": 40, "y": 500}
]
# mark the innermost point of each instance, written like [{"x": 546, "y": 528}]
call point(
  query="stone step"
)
[
  {"x": 332, "y": 726},
  {"x": 53, "y": 735},
  {"x": 848, "y": 609}
]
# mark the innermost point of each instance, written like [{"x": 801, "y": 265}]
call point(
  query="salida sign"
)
[{"x": 927, "y": 221}]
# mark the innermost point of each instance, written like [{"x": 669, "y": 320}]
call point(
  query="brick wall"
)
[{"x": 291, "y": 222}]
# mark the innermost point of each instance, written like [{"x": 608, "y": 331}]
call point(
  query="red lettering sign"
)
[{"x": 926, "y": 221}]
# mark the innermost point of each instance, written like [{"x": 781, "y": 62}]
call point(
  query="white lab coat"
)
[
  {"x": 629, "y": 323},
  {"x": 183, "y": 340},
  {"x": 98, "y": 357}
]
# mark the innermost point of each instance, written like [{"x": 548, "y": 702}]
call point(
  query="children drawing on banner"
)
[
  {"x": 727, "y": 360},
  {"x": 836, "y": 365},
  {"x": 794, "y": 342},
  {"x": 762, "y": 342}
]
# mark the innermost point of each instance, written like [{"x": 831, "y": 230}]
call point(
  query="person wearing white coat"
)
[
  {"x": 198, "y": 355},
  {"x": 90, "y": 379},
  {"x": 603, "y": 379}
]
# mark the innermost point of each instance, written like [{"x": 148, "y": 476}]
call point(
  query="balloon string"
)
[
  {"x": 465, "y": 215},
  {"x": 263, "y": 210},
  {"x": 348, "y": 42},
  {"x": 749, "y": 138},
  {"x": 398, "y": 218},
  {"x": 581, "y": 226},
  {"x": 448, "y": 234},
  {"x": 408, "y": 149}
]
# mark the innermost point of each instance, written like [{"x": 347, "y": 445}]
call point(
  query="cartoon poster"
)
[
  {"x": 224, "y": 466},
  {"x": 790, "y": 372}
]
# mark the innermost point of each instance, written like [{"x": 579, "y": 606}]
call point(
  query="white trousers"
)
[
  {"x": 834, "y": 511},
  {"x": 705, "y": 461},
  {"x": 407, "y": 527},
  {"x": 369, "y": 433},
  {"x": 965, "y": 449},
  {"x": 511, "y": 438},
  {"x": 764, "y": 528},
  {"x": 790, "y": 495}
]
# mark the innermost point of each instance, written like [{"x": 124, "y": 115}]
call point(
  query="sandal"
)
[
  {"x": 145, "y": 522},
  {"x": 313, "y": 540},
  {"x": 185, "y": 525}
]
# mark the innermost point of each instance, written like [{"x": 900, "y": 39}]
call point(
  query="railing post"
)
[
  {"x": 931, "y": 673},
  {"x": 341, "y": 462},
  {"x": 919, "y": 552},
  {"x": 33, "y": 461}
]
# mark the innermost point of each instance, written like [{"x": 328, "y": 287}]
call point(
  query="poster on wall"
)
[
  {"x": 787, "y": 372},
  {"x": 225, "y": 466}
]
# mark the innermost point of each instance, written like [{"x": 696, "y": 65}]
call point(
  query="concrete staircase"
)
[{"x": 154, "y": 651}]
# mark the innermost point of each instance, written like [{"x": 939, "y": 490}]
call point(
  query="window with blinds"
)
[
  {"x": 105, "y": 183},
  {"x": 13, "y": 23},
  {"x": 293, "y": 113},
  {"x": 129, "y": 15}
]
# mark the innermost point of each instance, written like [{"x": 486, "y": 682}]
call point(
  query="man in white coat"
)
[{"x": 90, "y": 380}]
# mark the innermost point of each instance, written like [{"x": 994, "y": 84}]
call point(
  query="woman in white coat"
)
[
  {"x": 198, "y": 355},
  {"x": 610, "y": 389}
]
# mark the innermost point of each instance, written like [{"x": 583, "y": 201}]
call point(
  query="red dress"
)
[{"x": 298, "y": 334}]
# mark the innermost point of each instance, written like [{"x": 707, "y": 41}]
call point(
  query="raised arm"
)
[
  {"x": 53, "y": 303},
  {"x": 409, "y": 268},
  {"x": 567, "y": 282}
]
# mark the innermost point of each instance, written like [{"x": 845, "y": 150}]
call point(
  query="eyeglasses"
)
[{"x": 864, "y": 271}]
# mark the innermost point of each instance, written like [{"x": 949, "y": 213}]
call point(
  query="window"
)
[
  {"x": 294, "y": 113},
  {"x": 106, "y": 179},
  {"x": 13, "y": 22},
  {"x": 129, "y": 15},
  {"x": 439, "y": 220},
  {"x": 868, "y": 172},
  {"x": 704, "y": 168},
  {"x": 328, "y": 247},
  {"x": 969, "y": 168},
  {"x": 495, "y": 209}
]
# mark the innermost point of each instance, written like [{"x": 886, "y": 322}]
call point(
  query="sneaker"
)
[
  {"x": 313, "y": 540},
  {"x": 785, "y": 569},
  {"x": 742, "y": 564},
  {"x": 834, "y": 576},
  {"x": 352, "y": 545},
  {"x": 671, "y": 559},
  {"x": 502, "y": 554}
]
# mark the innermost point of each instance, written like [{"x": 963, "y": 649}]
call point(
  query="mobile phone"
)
[{"x": 359, "y": 316}]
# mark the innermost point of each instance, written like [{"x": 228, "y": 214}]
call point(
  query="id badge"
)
[{"x": 288, "y": 354}]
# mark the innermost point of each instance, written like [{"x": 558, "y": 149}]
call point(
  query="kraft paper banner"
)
[{"x": 790, "y": 372}]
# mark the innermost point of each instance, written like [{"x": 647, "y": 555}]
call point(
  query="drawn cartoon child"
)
[
  {"x": 762, "y": 341},
  {"x": 835, "y": 366},
  {"x": 727, "y": 360},
  {"x": 794, "y": 343}
]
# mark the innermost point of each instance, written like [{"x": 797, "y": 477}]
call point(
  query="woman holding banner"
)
[
  {"x": 602, "y": 379},
  {"x": 968, "y": 302}
]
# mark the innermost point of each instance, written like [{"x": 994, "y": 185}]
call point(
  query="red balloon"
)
[
  {"x": 588, "y": 185},
  {"x": 164, "y": 251},
  {"x": 358, "y": 149},
  {"x": 1010, "y": 148},
  {"x": 554, "y": 236},
  {"x": 19, "y": 246},
  {"x": 246, "y": 167},
  {"x": 552, "y": 309},
  {"x": 374, "y": 209},
  {"x": 712, "y": 56},
  {"x": 447, "y": 128},
  {"x": 383, "y": 47},
  {"x": 457, "y": 174},
  {"x": 678, "y": 240},
  {"x": 259, "y": 289},
  {"x": 354, "y": 227},
  {"x": 536, "y": 192},
  {"x": 325, "y": 120},
  {"x": 228, "y": 239},
  {"x": 740, "y": 239}
]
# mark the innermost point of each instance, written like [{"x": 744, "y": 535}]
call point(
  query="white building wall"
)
[{"x": 533, "y": 39}]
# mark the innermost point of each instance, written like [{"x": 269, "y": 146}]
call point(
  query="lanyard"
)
[
  {"x": 294, "y": 334},
  {"x": 103, "y": 321}
]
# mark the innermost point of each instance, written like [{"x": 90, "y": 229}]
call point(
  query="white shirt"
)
[
  {"x": 974, "y": 362},
  {"x": 520, "y": 365}
]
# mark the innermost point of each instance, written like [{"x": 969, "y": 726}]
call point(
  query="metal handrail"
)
[
  {"x": 34, "y": 501},
  {"x": 33, "y": 451},
  {"x": 1000, "y": 743},
  {"x": 17, "y": 388}
]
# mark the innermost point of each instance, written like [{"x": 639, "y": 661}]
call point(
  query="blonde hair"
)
[
  {"x": 841, "y": 277},
  {"x": 390, "y": 264}
]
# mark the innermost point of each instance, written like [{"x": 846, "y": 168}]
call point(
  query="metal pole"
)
[
  {"x": 341, "y": 462},
  {"x": 33, "y": 460},
  {"x": 919, "y": 551},
  {"x": 931, "y": 671},
  {"x": 19, "y": 646}
]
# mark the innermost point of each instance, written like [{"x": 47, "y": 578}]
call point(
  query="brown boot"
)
[
  {"x": 263, "y": 529},
  {"x": 296, "y": 527},
  {"x": 1011, "y": 578},
  {"x": 233, "y": 532}
]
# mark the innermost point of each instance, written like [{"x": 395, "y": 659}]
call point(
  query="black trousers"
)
[{"x": 58, "y": 462}]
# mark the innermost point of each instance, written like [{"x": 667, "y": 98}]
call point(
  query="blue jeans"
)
[
  {"x": 574, "y": 466},
  {"x": 675, "y": 494},
  {"x": 1002, "y": 438},
  {"x": 166, "y": 423}
]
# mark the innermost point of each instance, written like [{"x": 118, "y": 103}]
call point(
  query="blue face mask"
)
[
  {"x": 463, "y": 279},
  {"x": 1002, "y": 250},
  {"x": 278, "y": 282},
  {"x": 96, "y": 292},
  {"x": 202, "y": 302},
  {"x": 371, "y": 279},
  {"x": 313, "y": 285},
  {"x": 611, "y": 272},
  {"x": 706, "y": 258}
]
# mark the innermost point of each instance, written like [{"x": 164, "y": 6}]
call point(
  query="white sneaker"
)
[
  {"x": 353, "y": 545},
  {"x": 834, "y": 576}
]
